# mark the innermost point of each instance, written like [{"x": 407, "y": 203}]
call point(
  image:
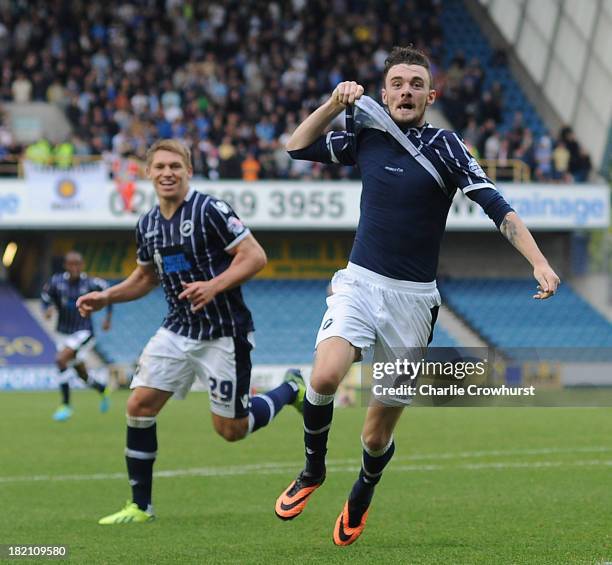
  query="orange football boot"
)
[
  {"x": 343, "y": 533},
  {"x": 292, "y": 502}
]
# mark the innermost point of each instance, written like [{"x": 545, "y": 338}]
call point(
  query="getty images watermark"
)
[
  {"x": 438, "y": 376},
  {"x": 400, "y": 369},
  {"x": 473, "y": 376}
]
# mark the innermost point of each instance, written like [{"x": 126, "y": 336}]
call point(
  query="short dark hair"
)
[
  {"x": 172, "y": 145},
  {"x": 408, "y": 56}
]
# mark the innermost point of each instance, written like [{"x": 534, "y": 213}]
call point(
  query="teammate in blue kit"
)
[
  {"x": 75, "y": 333},
  {"x": 200, "y": 251},
  {"x": 387, "y": 298}
]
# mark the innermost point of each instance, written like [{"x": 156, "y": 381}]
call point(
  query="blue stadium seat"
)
[
  {"x": 504, "y": 314},
  {"x": 457, "y": 25}
]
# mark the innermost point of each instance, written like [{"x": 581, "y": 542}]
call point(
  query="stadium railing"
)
[{"x": 509, "y": 170}]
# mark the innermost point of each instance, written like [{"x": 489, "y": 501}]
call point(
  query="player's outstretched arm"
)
[
  {"x": 249, "y": 259},
  {"x": 142, "y": 280},
  {"x": 315, "y": 124},
  {"x": 518, "y": 235}
]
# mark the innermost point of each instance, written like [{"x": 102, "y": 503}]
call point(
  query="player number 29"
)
[{"x": 222, "y": 389}]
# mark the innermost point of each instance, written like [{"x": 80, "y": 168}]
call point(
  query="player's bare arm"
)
[
  {"x": 520, "y": 237},
  {"x": 249, "y": 259},
  {"x": 315, "y": 124},
  {"x": 141, "y": 281}
]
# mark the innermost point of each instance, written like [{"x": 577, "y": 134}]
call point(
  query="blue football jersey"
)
[{"x": 192, "y": 246}]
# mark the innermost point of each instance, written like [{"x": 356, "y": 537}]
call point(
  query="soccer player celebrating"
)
[
  {"x": 201, "y": 252},
  {"x": 387, "y": 295},
  {"x": 75, "y": 334}
]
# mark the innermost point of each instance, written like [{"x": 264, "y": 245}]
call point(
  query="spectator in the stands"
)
[
  {"x": 81, "y": 147},
  {"x": 21, "y": 89},
  {"x": 56, "y": 93},
  {"x": 229, "y": 160},
  {"x": 543, "y": 159},
  {"x": 492, "y": 147},
  {"x": 561, "y": 159},
  {"x": 40, "y": 152},
  {"x": 250, "y": 168},
  {"x": 490, "y": 108},
  {"x": 517, "y": 131},
  {"x": 217, "y": 78},
  {"x": 486, "y": 131},
  {"x": 63, "y": 154},
  {"x": 525, "y": 151},
  {"x": 583, "y": 167},
  {"x": 471, "y": 133}
]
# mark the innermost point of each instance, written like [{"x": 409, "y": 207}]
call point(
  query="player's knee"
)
[
  {"x": 140, "y": 407},
  {"x": 231, "y": 435},
  {"x": 325, "y": 383},
  {"x": 375, "y": 440},
  {"x": 232, "y": 431},
  {"x": 61, "y": 362}
]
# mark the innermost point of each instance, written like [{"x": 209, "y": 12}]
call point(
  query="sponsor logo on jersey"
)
[
  {"x": 151, "y": 233},
  {"x": 235, "y": 226},
  {"x": 395, "y": 170},
  {"x": 328, "y": 323},
  {"x": 245, "y": 400},
  {"x": 475, "y": 168}
]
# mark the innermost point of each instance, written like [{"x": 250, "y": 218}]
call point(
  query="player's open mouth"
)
[{"x": 406, "y": 106}]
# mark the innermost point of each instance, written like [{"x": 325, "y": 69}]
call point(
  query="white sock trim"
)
[
  {"x": 317, "y": 432},
  {"x": 251, "y": 423},
  {"x": 318, "y": 399},
  {"x": 270, "y": 405},
  {"x": 143, "y": 455},
  {"x": 140, "y": 421},
  {"x": 379, "y": 452}
]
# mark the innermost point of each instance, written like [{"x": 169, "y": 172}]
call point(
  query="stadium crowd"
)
[{"x": 232, "y": 79}]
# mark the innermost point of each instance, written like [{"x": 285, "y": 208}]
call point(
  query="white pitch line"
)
[
  {"x": 335, "y": 467},
  {"x": 505, "y": 453},
  {"x": 487, "y": 453}
]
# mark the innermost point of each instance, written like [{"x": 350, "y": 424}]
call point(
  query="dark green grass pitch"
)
[{"x": 504, "y": 485}]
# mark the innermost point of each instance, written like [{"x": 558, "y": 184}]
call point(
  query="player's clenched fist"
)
[
  {"x": 91, "y": 302},
  {"x": 346, "y": 93}
]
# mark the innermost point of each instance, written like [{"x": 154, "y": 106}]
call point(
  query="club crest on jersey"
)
[
  {"x": 186, "y": 228},
  {"x": 221, "y": 206},
  {"x": 476, "y": 168},
  {"x": 235, "y": 226}
]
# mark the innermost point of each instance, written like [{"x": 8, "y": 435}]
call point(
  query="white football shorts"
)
[
  {"x": 81, "y": 342},
  {"x": 394, "y": 316},
  {"x": 172, "y": 362}
]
